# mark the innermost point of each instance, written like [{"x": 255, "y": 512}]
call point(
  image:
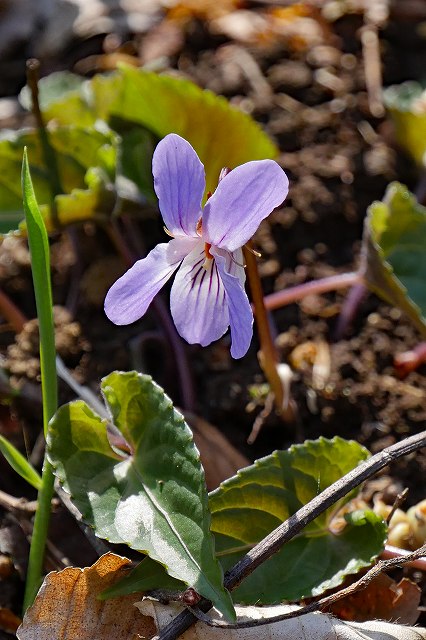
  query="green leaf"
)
[
  {"x": 147, "y": 576},
  {"x": 407, "y": 105},
  {"x": 250, "y": 505},
  {"x": 222, "y": 135},
  {"x": 154, "y": 498},
  {"x": 394, "y": 246},
  {"x": 40, "y": 268},
  {"x": 79, "y": 152},
  {"x": 51, "y": 89},
  {"x": 19, "y": 463}
]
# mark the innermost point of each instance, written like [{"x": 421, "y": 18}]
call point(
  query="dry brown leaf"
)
[
  {"x": 67, "y": 607},
  {"x": 383, "y": 599},
  {"x": 313, "y": 626}
]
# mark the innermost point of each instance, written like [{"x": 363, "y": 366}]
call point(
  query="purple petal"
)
[
  {"x": 130, "y": 296},
  {"x": 197, "y": 300},
  {"x": 241, "y": 201},
  {"x": 179, "y": 182},
  {"x": 239, "y": 308}
]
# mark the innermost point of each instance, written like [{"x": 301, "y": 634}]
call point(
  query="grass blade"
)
[
  {"x": 19, "y": 463},
  {"x": 40, "y": 264}
]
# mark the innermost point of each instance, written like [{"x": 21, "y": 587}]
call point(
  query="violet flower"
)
[{"x": 208, "y": 293}]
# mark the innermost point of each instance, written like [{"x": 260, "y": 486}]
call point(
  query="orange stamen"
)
[{"x": 207, "y": 246}]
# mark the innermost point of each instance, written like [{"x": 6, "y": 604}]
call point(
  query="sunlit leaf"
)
[
  {"x": 67, "y": 606},
  {"x": 52, "y": 88},
  {"x": 395, "y": 252},
  {"x": 19, "y": 463},
  {"x": 222, "y": 135},
  {"x": 151, "y": 497},
  {"x": 407, "y": 105},
  {"x": 77, "y": 150},
  {"x": 249, "y": 506}
]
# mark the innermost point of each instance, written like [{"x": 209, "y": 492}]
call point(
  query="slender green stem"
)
[
  {"x": 40, "y": 264},
  {"x": 39, "y": 536}
]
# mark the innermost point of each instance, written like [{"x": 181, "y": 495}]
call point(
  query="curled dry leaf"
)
[
  {"x": 67, "y": 606},
  {"x": 383, "y": 598},
  {"x": 313, "y": 626}
]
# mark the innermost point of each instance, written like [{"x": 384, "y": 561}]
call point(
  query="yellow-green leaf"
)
[{"x": 222, "y": 135}]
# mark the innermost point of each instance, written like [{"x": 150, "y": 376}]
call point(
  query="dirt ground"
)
[{"x": 307, "y": 87}]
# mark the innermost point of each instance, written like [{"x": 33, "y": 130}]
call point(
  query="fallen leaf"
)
[
  {"x": 384, "y": 599},
  {"x": 67, "y": 606},
  {"x": 313, "y": 626}
]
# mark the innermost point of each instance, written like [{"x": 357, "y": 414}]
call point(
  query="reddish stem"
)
[
  {"x": 300, "y": 291},
  {"x": 411, "y": 360},
  {"x": 395, "y": 552}
]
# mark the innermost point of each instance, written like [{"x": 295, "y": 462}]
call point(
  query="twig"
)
[
  {"x": 49, "y": 155},
  {"x": 323, "y": 604},
  {"x": 300, "y": 291},
  {"x": 395, "y": 552},
  {"x": 291, "y": 527}
]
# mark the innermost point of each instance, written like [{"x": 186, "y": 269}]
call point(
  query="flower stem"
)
[
  {"x": 268, "y": 356},
  {"x": 300, "y": 291},
  {"x": 349, "y": 309},
  {"x": 181, "y": 360}
]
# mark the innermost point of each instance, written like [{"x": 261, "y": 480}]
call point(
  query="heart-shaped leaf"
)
[
  {"x": 395, "y": 252},
  {"x": 222, "y": 135},
  {"x": 147, "y": 490},
  {"x": 249, "y": 506}
]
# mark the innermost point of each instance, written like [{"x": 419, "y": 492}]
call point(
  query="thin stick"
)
[
  {"x": 323, "y": 604},
  {"x": 291, "y": 527},
  {"x": 293, "y": 294},
  {"x": 49, "y": 155}
]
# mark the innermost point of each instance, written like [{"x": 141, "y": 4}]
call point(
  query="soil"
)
[{"x": 309, "y": 93}]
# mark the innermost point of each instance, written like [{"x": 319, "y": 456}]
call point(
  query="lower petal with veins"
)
[
  {"x": 240, "y": 314},
  {"x": 198, "y": 300},
  {"x": 130, "y": 296}
]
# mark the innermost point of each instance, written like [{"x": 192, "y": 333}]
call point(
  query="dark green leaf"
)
[
  {"x": 154, "y": 498},
  {"x": 147, "y": 576},
  {"x": 249, "y": 506},
  {"x": 395, "y": 252}
]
